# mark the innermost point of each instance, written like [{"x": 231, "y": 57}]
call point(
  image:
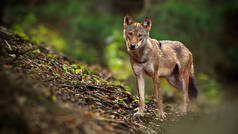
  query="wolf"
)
[{"x": 158, "y": 59}]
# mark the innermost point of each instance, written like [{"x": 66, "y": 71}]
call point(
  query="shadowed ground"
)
[{"x": 47, "y": 92}]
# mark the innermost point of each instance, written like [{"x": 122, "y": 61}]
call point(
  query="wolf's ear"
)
[
  {"x": 147, "y": 23},
  {"x": 128, "y": 20}
]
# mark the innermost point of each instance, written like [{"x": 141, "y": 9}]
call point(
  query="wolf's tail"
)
[{"x": 192, "y": 88}]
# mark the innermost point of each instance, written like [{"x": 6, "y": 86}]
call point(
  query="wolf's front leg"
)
[
  {"x": 140, "y": 89},
  {"x": 159, "y": 100}
]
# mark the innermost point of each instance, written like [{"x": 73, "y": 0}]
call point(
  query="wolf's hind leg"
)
[
  {"x": 186, "y": 96},
  {"x": 175, "y": 81},
  {"x": 175, "y": 78}
]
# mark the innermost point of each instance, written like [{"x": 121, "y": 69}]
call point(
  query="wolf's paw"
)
[
  {"x": 162, "y": 115},
  {"x": 183, "y": 113}
]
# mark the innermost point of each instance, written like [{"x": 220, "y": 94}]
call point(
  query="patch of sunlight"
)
[
  {"x": 42, "y": 34},
  {"x": 19, "y": 31},
  {"x": 209, "y": 89},
  {"x": 117, "y": 59}
]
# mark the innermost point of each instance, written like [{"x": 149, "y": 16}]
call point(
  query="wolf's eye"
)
[
  {"x": 139, "y": 35},
  {"x": 130, "y": 33}
]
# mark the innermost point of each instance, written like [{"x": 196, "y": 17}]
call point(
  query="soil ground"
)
[{"x": 43, "y": 91}]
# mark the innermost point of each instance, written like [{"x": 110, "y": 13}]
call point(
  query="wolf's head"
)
[{"x": 136, "y": 33}]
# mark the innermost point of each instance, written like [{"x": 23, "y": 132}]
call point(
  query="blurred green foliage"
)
[
  {"x": 116, "y": 57},
  {"x": 210, "y": 89},
  {"x": 91, "y": 31}
]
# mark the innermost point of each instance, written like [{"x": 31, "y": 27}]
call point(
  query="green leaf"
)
[{"x": 77, "y": 71}]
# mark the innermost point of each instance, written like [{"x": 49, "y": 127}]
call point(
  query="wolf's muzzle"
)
[{"x": 132, "y": 46}]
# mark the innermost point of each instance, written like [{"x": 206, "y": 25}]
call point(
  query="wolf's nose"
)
[{"x": 132, "y": 46}]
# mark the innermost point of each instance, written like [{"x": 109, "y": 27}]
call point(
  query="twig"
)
[{"x": 9, "y": 47}]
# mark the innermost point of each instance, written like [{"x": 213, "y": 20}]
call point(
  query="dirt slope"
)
[{"x": 43, "y": 91}]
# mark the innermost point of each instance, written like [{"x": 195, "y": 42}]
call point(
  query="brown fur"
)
[{"x": 168, "y": 59}]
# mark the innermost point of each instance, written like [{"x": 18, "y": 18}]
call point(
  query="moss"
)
[
  {"x": 135, "y": 100},
  {"x": 121, "y": 101},
  {"x": 37, "y": 51},
  {"x": 50, "y": 64},
  {"x": 147, "y": 99},
  {"x": 92, "y": 72},
  {"x": 51, "y": 56},
  {"x": 75, "y": 66},
  {"x": 107, "y": 119},
  {"x": 128, "y": 92},
  {"x": 56, "y": 75},
  {"x": 78, "y": 83},
  {"x": 54, "y": 98},
  {"x": 77, "y": 71},
  {"x": 43, "y": 67},
  {"x": 115, "y": 83}
]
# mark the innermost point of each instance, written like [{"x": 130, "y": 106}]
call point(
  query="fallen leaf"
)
[
  {"x": 92, "y": 106},
  {"x": 90, "y": 113},
  {"x": 9, "y": 66}
]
